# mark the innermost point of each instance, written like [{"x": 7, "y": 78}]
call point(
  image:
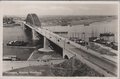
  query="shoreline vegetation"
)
[{"x": 74, "y": 20}]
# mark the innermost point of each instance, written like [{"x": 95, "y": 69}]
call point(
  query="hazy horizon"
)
[{"x": 56, "y": 8}]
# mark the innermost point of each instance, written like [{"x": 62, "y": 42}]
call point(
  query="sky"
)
[
  {"x": 60, "y": 0},
  {"x": 58, "y": 8}
]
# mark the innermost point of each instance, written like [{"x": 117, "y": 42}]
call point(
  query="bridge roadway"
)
[{"x": 101, "y": 63}]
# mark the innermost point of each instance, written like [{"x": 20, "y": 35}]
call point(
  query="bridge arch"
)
[{"x": 33, "y": 20}]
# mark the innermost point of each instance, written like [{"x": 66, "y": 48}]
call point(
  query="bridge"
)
[{"x": 106, "y": 65}]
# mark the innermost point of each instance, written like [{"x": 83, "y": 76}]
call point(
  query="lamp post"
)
[{"x": 84, "y": 38}]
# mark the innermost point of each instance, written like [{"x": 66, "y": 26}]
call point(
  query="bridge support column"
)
[
  {"x": 34, "y": 35},
  {"x": 46, "y": 43},
  {"x": 23, "y": 26},
  {"x": 46, "y": 47}
]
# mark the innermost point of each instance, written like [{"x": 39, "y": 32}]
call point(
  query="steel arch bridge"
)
[{"x": 33, "y": 20}]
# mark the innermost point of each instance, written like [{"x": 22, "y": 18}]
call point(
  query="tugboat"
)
[{"x": 17, "y": 43}]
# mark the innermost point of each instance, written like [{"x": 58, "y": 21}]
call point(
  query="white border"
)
[
  {"x": 60, "y": 2},
  {"x": 63, "y": 2}
]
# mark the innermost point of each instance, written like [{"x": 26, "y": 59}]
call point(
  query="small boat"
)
[
  {"x": 106, "y": 34},
  {"x": 17, "y": 43},
  {"x": 11, "y": 58}
]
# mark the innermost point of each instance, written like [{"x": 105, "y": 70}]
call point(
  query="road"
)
[{"x": 95, "y": 58}]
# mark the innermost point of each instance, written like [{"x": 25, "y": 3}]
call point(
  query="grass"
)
[{"x": 68, "y": 68}]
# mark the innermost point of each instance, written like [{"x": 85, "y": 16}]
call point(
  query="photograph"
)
[{"x": 60, "y": 39}]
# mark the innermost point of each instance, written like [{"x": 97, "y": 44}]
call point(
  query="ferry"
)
[{"x": 17, "y": 43}]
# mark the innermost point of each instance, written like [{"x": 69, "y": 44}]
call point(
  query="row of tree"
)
[{"x": 8, "y": 20}]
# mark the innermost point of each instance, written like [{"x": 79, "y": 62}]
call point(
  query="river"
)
[
  {"x": 93, "y": 29},
  {"x": 15, "y": 33}
]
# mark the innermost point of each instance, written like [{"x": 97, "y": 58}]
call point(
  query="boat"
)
[
  {"x": 106, "y": 34},
  {"x": 17, "y": 43},
  {"x": 10, "y": 58}
]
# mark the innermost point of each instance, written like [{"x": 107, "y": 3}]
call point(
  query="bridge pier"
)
[
  {"x": 34, "y": 35},
  {"x": 46, "y": 47},
  {"x": 24, "y": 27},
  {"x": 46, "y": 43},
  {"x": 32, "y": 32}
]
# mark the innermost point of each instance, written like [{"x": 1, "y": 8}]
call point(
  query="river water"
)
[
  {"x": 93, "y": 29},
  {"x": 15, "y": 33}
]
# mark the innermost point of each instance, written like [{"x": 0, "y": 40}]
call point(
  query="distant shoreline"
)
[{"x": 10, "y": 25}]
